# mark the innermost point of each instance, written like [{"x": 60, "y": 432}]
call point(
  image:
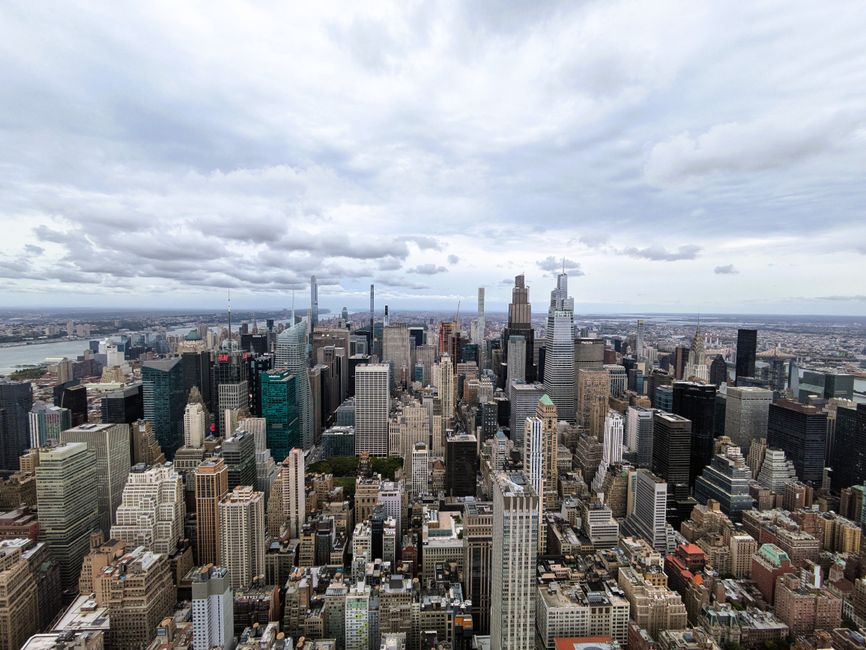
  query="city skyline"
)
[{"x": 148, "y": 164}]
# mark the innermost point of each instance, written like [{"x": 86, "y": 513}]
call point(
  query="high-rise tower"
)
[
  {"x": 747, "y": 344},
  {"x": 520, "y": 324},
  {"x": 292, "y": 356},
  {"x": 559, "y": 350},
  {"x": 314, "y": 303}
]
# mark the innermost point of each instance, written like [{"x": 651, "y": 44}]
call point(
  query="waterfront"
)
[{"x": 36, "y": 353}]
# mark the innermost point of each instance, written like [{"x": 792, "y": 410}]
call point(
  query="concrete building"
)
[
  {"x": 46, "y": 423},
  {"x": 212, "y": 609},
  {"x": 243, "y": 535},
  {"x": 524, "y": 402},
  {"x": 515, "y": 540},
  {"x": 110, "y": 443},
  {"x": 577, "y": 609},
  {"x": 67, "y": 497},
  {"x": 648, "y": 519},
  {"x": 806, "y": 607},
  {"x": 357, "y": 617},
  {"x": 372, "y": 404},
  {"x": 211, "y": 484},
  {"x": 151, "y": 513},
  {"x": 593, "y": 391},
  {"x": 19, "y": 603},
  {"x": 746, "y": 413}
]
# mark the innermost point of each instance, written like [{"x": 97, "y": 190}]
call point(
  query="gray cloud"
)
[
  {"x": 660, "y": 254},
  {"x": 453, "y": 259},
  {"x": 33, "y": 249},
  {"x": 428, "y": 269},
  {"x": 554, "y": 265},
  {"x": 594, "y": 240},
  {"x": 726, "y": 269}
]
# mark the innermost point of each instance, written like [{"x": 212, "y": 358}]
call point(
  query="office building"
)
[
  {"x": 46, "y": 423},
  {"x": 145, "y": 448},
  {"x": 19, "y": 600},
  {"x": 293, "y": 492},
  {"x": 697, "y": 403},
  {"x": 16, "y": 402},
  {"x": 718, "y": 371},
  {"x": 524, "y": 402},
  {"x": 639, "y": 434},
  {"x": 726, "y": 480},
  {"x": 164, "y": 402},
  {"x": 559, "y": 350},
  {"x": 746, "y": 412},
  {"x": 123, "y": 406},
  {"x": 372, "y": 409},
  {"x": 279, "y": 407},
  {"x": 68, "y": 501},
  {"x": 516, "y": 364},
  {"x": 580, "y": 609},
  {"x": 664, "y": 398},
  {"x": 593, "y": 392},
  {"x": 800, "y": 431},
  {"x": 212, "y": 608},
  {"x": 110, "y": 443},
  {"x": 515, "y": 543},
  {"x": 805, "y": 606},
  {"x": 776, "y": 471},
  {"x": 849, "y": 451},
  {"x": 243, "y": 535},
  {"x": 211, "y": 484},
  {"x": 239, "y": 453},
  {"x": 672, "y": 451},
  {"x": 291, "y": 355},
  {"x": 478, "y": 560},
  {"x": 136, "y": 587},
  {"x": 195, "y": 420},
  {"x": 520, "y": 324},
  {"x": 395, "y": 353},
  {"x": 151, "y": 513},
  {"x": 747, "y": 346},
  {"x": 357, "y": 610},
  {"x": 461, "y": 464},
  {"x": 648, "y": 519},
  {"x": 618, "y": 380},
  {"x": 588, "y": 354}
]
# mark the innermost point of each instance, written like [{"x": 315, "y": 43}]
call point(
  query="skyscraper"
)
[
  {"x": 697, "y": 403},
  {"x": 559, "y": 350},
  {"x": 211, "y": 484},
  {"x": 279, "y": 407},
  {"x": 516, "y": 363},
  {"x": 292, "y": 356},
  {"x": 395, "y": 352},
  {"x": 372, "y": 409},
  {"x": 478, "y": 560},
  {"x": 746, "y": 412},
  {"x": 194, "y": 420},
  {"x": 164, "y": 401},
  {"x": 293, "y": 492},
  {"x": 151, "y": 513},
  {"x": 67, "y": 497},
  {"x": 747, "y": 345},
  {"x": 515, "y": 544},
  {"x": 593, "y": 390},
  {"x": 110, "y": 443},
  {"x": 461, "y": 464},
  {"x": 800, "y": 431},
  {"x": 648, "y": 519},
  {"x": 520, "y": 324},
  {"x": 314, "y": 303},
  {"x": 232, "y": 389},
  {"x": 239, "y": 454},
  {"x": 672, "y": 451},
  {"x": 46, "y": 423},
  {"x": 242, "y": 535},
  {"x": 212, "y": 608},
  {"x": 639, "y": 434},
  {"x": 849, "y": 451},
  {"x": 16, "y": 401}
]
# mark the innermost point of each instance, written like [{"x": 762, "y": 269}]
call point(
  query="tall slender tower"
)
[
  {"x": 211, "y": 484},
  {"x": 559, "y": 354},
  {"x": 294, "y": 495},
  {"x": 520, "y": 324},
  {"x": 515, "y": 545},
  {"x": 372, "y": 409},
  {"x": 292, "y": 356},
  {"x": 242, "y": 535},
  {"x": 372, "y": 304},
  {"x": 314, "y": 304}
]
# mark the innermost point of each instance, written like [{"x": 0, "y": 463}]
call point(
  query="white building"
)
[
  {"x": 212, "y": 609},
  {"x": 372, "y": 409},
  {"x": 152, "y": 510},
  {"x": 357, "y": 617},
  {"x": 243, "y": 535},
  {"x": 515, "y": 544}
]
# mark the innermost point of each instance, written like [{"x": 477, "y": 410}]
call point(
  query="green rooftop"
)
[{"x": 545, "y": 399}]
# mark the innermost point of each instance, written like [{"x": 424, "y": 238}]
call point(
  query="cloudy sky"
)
[{"x": 678, "y": 156}]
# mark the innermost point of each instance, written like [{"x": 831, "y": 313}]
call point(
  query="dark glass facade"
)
[
  {"x": 697, "y": 402},
  {"x": 801, "y": 432},
  {"x": 747, "y": 346}
]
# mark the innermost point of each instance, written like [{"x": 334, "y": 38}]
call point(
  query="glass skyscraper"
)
[
  {"x": 292, "y": 356},
  {"x": 279, "y": 407},
  {"x": 164, "y": 401}
]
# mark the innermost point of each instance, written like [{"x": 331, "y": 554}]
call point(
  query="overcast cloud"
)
[{"x": 678, "y": 156}]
